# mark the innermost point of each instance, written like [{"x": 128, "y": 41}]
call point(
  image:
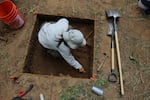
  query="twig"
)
[
  {"x": 3, "y": 39},
  {"x": 89, "y": 35},
  {"x": 15, "y": 76},
  {"x": 141, "y": 78},
  {"x": 103, "y": 61}
]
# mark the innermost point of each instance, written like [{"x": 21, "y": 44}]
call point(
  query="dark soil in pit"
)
[{"x": 38, "y": 61}]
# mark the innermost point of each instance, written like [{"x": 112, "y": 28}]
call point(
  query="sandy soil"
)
[{"x": 134, "y": 40}]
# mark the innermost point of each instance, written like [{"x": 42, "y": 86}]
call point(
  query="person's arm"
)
[{"x": 69, "y": 58}]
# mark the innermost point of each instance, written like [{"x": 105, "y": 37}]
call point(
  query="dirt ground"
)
[{"x": 134, "y": 40}]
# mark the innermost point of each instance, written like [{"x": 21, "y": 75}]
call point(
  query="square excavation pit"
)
[{"x": 39, "y": 62}]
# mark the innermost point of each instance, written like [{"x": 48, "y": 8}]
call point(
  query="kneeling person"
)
[{"x": 57, "y": 37}]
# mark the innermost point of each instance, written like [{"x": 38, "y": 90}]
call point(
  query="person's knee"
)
[{"x": 54, "y": 53}]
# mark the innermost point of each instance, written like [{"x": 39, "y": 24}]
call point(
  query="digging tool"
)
[
  {"x": 21, "y": 94},
  {"x": 111, "y": 27},
  {"x": 112, "y": 77},
  {"x": 104, "y": 58},
  {"x": 115, "y": 14}
]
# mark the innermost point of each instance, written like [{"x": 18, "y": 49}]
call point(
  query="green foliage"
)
[
  {"x": 3, "y": 55},
  {"x": 101, "y": 81},
  {"x": 73, "y": 91},
  {"x": 31, "y": 10}
]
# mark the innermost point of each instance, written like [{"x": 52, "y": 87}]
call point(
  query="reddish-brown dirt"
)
[{"x": 134, "y": 41}]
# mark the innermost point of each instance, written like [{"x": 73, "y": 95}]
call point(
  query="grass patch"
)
[
  {"x": 8, "y": 71},
  {"x": 101, "y": 81},
  {"x": 4, "y": 55},
  {"x": 142, "y": 65},
  {"x": 83, "y": 91},
  {"x": 73, "y": 92},
  {"x": 31, "y": 10}
]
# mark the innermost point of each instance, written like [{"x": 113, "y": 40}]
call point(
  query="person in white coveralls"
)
[{"x": 59, "y": 39}]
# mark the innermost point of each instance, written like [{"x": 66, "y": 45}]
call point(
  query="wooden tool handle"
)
[
  {"x": 100, "y": 66},
  {"x": 112, "y": 59},
  {"x": 119, "y": 62}
]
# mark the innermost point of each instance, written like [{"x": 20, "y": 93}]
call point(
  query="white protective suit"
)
[{"x": 51, "y": 33}]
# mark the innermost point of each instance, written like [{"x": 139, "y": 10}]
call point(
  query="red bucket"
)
[{"x": 10, "y": 15}]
